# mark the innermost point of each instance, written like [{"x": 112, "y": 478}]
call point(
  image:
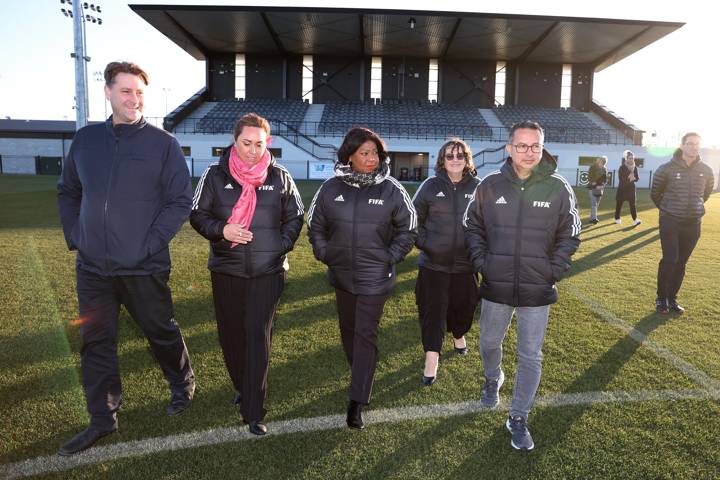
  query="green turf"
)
[{"x": 41, "y": 400}]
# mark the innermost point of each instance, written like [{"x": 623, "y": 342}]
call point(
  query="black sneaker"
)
[
  {"x": 520, "y": 436},
  {"x": 661, "y": 306},
  {"x": 674, "y": 307}
]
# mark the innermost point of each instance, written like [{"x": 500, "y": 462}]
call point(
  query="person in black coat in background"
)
[
  {"x": 627, "y": 177},
  {"x": 361, "y": 223},
  {"x": 446, "y": 291},
  {"x": 250, "y": 210},
  {"x": 597, "y": 178}
]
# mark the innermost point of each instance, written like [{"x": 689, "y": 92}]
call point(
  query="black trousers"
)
[
  {"x": 677, "y": 239},
  {"x": 148, "y": 300},
  {"x": 619, "y": 203},
  {"x": 446, "y": 302},
  {"x": 359, "y": 317},
  {"x": 244, "y": 311}
]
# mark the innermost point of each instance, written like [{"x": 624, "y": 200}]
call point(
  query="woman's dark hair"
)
[
  {"x": 354, "y": 138},
  {"x": 251, "y": 119},
  {"x": 455, "y": 145}
]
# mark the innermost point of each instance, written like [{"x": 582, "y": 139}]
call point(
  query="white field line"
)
[
  {"x": 56, "y": 463},
  {"x": 697, "y": 375}
]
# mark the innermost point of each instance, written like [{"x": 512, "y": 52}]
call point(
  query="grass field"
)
[{"x": 625, "y": 393}]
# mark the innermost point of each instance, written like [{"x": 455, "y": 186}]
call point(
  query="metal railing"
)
[{"x": 413, "y": 131}]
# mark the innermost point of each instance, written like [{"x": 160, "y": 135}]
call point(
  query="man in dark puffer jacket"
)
[
  {"x": 521, "y": 228},
  {"x": 679, "y": 189}
]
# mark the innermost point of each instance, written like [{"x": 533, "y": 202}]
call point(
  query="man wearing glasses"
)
[
  {"x": 679, "y": 189},
  {"x": 521, "y": 228}
]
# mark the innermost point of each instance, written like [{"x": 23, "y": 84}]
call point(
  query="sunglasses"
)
[{"x": 459, "y": 156}]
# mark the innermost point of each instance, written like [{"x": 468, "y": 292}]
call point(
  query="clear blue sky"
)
[{"x": 669, "y": 87}]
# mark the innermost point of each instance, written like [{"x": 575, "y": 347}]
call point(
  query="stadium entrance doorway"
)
[{"x": 409, "y": 166}]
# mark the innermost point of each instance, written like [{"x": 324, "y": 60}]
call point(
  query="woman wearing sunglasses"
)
[{"x": 446, "y": 291}]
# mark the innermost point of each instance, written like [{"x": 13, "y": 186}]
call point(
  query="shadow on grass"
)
[
  {"x": 549, "y": 425},
  {"x": 613, "y": 251}
]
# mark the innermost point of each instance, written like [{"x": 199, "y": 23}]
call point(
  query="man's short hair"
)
[
  {"x": 689, "y": 134},
  {"x": 113, "y": 68},
  {"x": 251, "y": 119},
  {"x": 529, "y": 124}
]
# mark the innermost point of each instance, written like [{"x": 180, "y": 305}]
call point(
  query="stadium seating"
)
[
  {"x": 563, "y": 125},
  {"x": 405, "y": 118},
  {"x": 222, "y": 117}
]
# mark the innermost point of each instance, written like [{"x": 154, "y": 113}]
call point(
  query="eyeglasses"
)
[
  {"x": 458, "y": 155},
  {"x": 522, "y": 148}
]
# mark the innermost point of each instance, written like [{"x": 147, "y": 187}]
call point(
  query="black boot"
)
[{"x": 354, "y": 415}]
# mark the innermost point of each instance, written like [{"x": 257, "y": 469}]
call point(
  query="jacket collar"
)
[
  {"x": 546, "y": 167},
  {"x": 677, "y": 158},
  {"x": 124, "y": 129}
]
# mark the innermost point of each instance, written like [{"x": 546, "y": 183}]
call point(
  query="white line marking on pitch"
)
[
  {"x": 56, "y": 463},
  {"x": 697, "y": 375}
]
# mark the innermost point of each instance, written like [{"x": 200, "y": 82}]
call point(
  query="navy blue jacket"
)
[{"x": 123, "y": 195}]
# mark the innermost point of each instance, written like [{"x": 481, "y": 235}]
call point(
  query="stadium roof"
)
[{"x": 202, "y": 30}]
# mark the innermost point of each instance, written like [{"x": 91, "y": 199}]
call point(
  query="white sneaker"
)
[
  {"x": 618, "y": 221},
  {"x": 636, "y": 222}
]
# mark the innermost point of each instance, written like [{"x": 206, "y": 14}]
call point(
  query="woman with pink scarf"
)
[{"x": 250, "y": 210}]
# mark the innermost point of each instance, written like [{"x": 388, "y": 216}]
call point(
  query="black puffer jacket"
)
[
  {"x": 440, "y": 206},
  {"x": 681, "y": 191},
  {"x": 361, "y": 233},
  {"x": 521, "y": 236},
  {"x": 276, "y": 223}
]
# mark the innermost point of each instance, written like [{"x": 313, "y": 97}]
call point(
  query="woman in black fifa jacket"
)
[
  {"x": 446, "y": 291},
  {"x": 249, "y": 209},
  {"x": 361, "y": 223}
]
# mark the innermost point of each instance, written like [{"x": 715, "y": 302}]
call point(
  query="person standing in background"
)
[
  {"x": 597, "y": 178},
  {"x": 627, "y": 178},
  {"x": 679, "y": 189}
]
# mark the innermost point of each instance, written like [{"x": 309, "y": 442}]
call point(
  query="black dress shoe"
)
[
  {"x": 427, "y": 381},
  {"x": 257, "y": 428},
  {"x": 461, "y": 350},
  {"x": 354, "y": 415},
  {"x": 84, "y": 440},
  {"x": 179, "y": 402}
]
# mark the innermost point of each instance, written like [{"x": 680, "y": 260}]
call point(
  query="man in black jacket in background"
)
[
  {"x": 679, "y": 189},
  {"x": 123, "y": 195},
  {"x": 521, "y": 228}
]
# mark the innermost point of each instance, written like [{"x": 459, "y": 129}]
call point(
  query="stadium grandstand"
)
[{"x": 416, "y": 77}]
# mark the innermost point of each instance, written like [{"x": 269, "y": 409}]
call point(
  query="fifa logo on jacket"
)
[
  {"x": 266, "y": 187},
  {"x": 541, "y": 204},
  {"x": 375, "y": 201}
]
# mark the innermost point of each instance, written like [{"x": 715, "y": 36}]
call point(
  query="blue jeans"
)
[
  {"x": 531, "y": 326},
  {"x": 594, "y": 204}
]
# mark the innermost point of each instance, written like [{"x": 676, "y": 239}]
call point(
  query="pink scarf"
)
[{"x": 249, "y": 177}]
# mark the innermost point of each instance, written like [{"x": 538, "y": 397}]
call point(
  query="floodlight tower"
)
[{"x": 79, "y": 17}]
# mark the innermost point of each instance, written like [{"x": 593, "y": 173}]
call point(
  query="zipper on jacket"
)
[
  {"x": 455, "y": 227},
  {"x": 354, "y": 234},
  {"x": 105, "y": 207},
  {"x": 518, "y": 239}
]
